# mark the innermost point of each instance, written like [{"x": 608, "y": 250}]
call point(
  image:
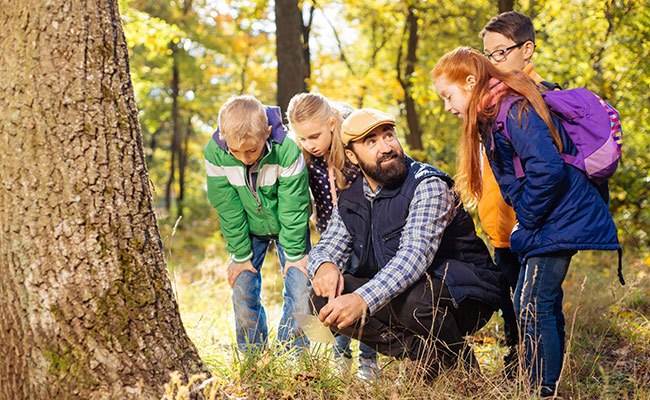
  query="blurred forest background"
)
[{"x": 188, "y": 56}]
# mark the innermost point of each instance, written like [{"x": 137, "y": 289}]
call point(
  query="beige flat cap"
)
[{"x": 361, "y": 122}]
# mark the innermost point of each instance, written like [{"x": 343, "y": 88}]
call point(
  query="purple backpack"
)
[{"x": 593, "y": 125}]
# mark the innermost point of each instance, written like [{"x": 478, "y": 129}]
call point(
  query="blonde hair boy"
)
[
  {"x": 257, "y": 182},
  {"x": 242, "y": 120}
]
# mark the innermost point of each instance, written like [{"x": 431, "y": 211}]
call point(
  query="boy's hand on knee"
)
[
  {"x": 328, "y": 281},
  {"x": 300, "y": 264},
  {"x": 234, "y": 269}
]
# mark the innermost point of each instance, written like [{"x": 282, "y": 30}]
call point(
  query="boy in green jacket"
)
[{"x": 257, "y": 182}]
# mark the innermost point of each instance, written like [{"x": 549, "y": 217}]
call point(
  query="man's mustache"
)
[{"x": 387, "y": 156}]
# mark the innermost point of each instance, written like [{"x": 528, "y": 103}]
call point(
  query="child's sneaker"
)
[
  {"x": 343, "y": 365},
  {"x": 368, "y": 370}
]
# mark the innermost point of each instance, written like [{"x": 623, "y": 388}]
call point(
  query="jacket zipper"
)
[
  {"x": 374, "y": 244},
  {"x": 259, "y": 203},
  {"x": 392, "y": 235}
]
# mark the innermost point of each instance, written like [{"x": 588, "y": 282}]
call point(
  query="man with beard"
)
[{"x": 424, "y": 280}]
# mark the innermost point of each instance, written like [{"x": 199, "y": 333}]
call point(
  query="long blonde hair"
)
[
  {"x": 455, "y": 67},
  {"x": 316, "y": 107}
]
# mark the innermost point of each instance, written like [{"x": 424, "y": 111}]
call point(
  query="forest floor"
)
[{"x": 607, "y": 357}]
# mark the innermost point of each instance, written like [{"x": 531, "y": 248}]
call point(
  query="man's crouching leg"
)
[
  {"x": 426, "y": 309},
  {"x": 375, "y": 331}
]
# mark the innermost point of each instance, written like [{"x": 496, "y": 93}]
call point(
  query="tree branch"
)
[{"x": 340, "y": 47}]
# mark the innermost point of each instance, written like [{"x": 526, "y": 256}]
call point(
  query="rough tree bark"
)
[
  {"x": 289, "y": 50},
  {"x": 86, "y": 308}
]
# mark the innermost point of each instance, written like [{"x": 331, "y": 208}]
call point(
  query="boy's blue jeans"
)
[
  {"x": 538, "y": 303},
  {"x": 250, "y": 316},
  {"x": 343, "y": 348}
]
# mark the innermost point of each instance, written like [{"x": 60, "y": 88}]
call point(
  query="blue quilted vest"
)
[{"x": 462, "y": 258}]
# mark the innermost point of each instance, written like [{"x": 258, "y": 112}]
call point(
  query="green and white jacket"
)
[{"x": 280, "y": 206}]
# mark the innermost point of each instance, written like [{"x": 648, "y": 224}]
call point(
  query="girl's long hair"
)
[
  {"x": 316, "y": 107},
  {"x": 455, "y": 67}
]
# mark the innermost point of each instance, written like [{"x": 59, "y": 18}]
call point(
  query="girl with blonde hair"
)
[{"x": 316, "y": 121}]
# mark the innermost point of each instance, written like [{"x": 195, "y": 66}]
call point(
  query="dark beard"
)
[{"x": 389, "y": 177}]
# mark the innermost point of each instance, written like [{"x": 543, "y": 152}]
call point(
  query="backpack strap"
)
[
  {"x": 501, "y": 124},
  {"x": 550, "y": 85},
  {"x": 620, "y": 266}
]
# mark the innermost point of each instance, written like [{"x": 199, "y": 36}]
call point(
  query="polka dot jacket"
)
[{"x": 319, "y": 183}]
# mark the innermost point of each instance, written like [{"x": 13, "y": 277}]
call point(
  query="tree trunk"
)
[
  {"x": 306, "y": 32},
  {"x": 506, "y": 5},
  {"x": 182, "y": 166},
  {"x": 289, "y": 50},
  {"x": 244, "y": 71},
  {"x": 152, "y": 146},
  {"x": 532, "y": 9},
  {"x": 176, "y": 129},
  {"x": 414, "y": 134},
  {"x": 86, "y": 308}
]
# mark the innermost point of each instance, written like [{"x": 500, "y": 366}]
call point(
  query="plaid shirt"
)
[{"x": 431, "y": 210}]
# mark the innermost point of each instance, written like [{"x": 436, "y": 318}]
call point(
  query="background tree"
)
[
  {"x": 505, "y": 5},
  {"x": 405, "y": 74},
  {"x": 87, "y": 310},
  {"x": 292, "y": 70},
  {"x": 182, "y": 16},
  {"x": 368, "y": 77}
]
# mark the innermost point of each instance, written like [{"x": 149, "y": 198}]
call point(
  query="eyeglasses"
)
[{"x": 500, "y": 55}]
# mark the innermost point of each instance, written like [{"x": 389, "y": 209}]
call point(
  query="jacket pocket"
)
[{"x": 391, "y": 240}]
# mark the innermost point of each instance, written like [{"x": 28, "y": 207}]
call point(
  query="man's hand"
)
[
  {"x": 300, "y": 264},
  {"x": 234, "y": 269},
  {"x": 343, "y": 311},
  {"x": 328, "y": 281}
]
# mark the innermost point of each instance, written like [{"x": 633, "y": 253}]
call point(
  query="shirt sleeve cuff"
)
[
  {"x": 366, "y": 295},
  {"x": 241, "y": 259},
  {"x": 294, "y": 258},
  {"x": 315, "y": 262}
]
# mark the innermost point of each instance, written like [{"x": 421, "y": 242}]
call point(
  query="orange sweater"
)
[{"x": 498, "y": 218}]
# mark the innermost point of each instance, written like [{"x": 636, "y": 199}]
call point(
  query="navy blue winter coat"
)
[{"x": 557, "y": 206}]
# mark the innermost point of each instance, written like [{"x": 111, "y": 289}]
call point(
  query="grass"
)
[{"x": 608, "y": 339}]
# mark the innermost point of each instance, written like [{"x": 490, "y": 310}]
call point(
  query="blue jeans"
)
[
  {"x": 343, "y": 349},
  {"x": 250, "y": 316},
  {"x": 538, "y": 303},
  {"x": 343, "y": 342}
]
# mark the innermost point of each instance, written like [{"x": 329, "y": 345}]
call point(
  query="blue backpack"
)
[{"x": 593, "y": 125}]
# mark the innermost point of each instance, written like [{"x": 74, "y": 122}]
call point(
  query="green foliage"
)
[{"x": 228, "y": 48}]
